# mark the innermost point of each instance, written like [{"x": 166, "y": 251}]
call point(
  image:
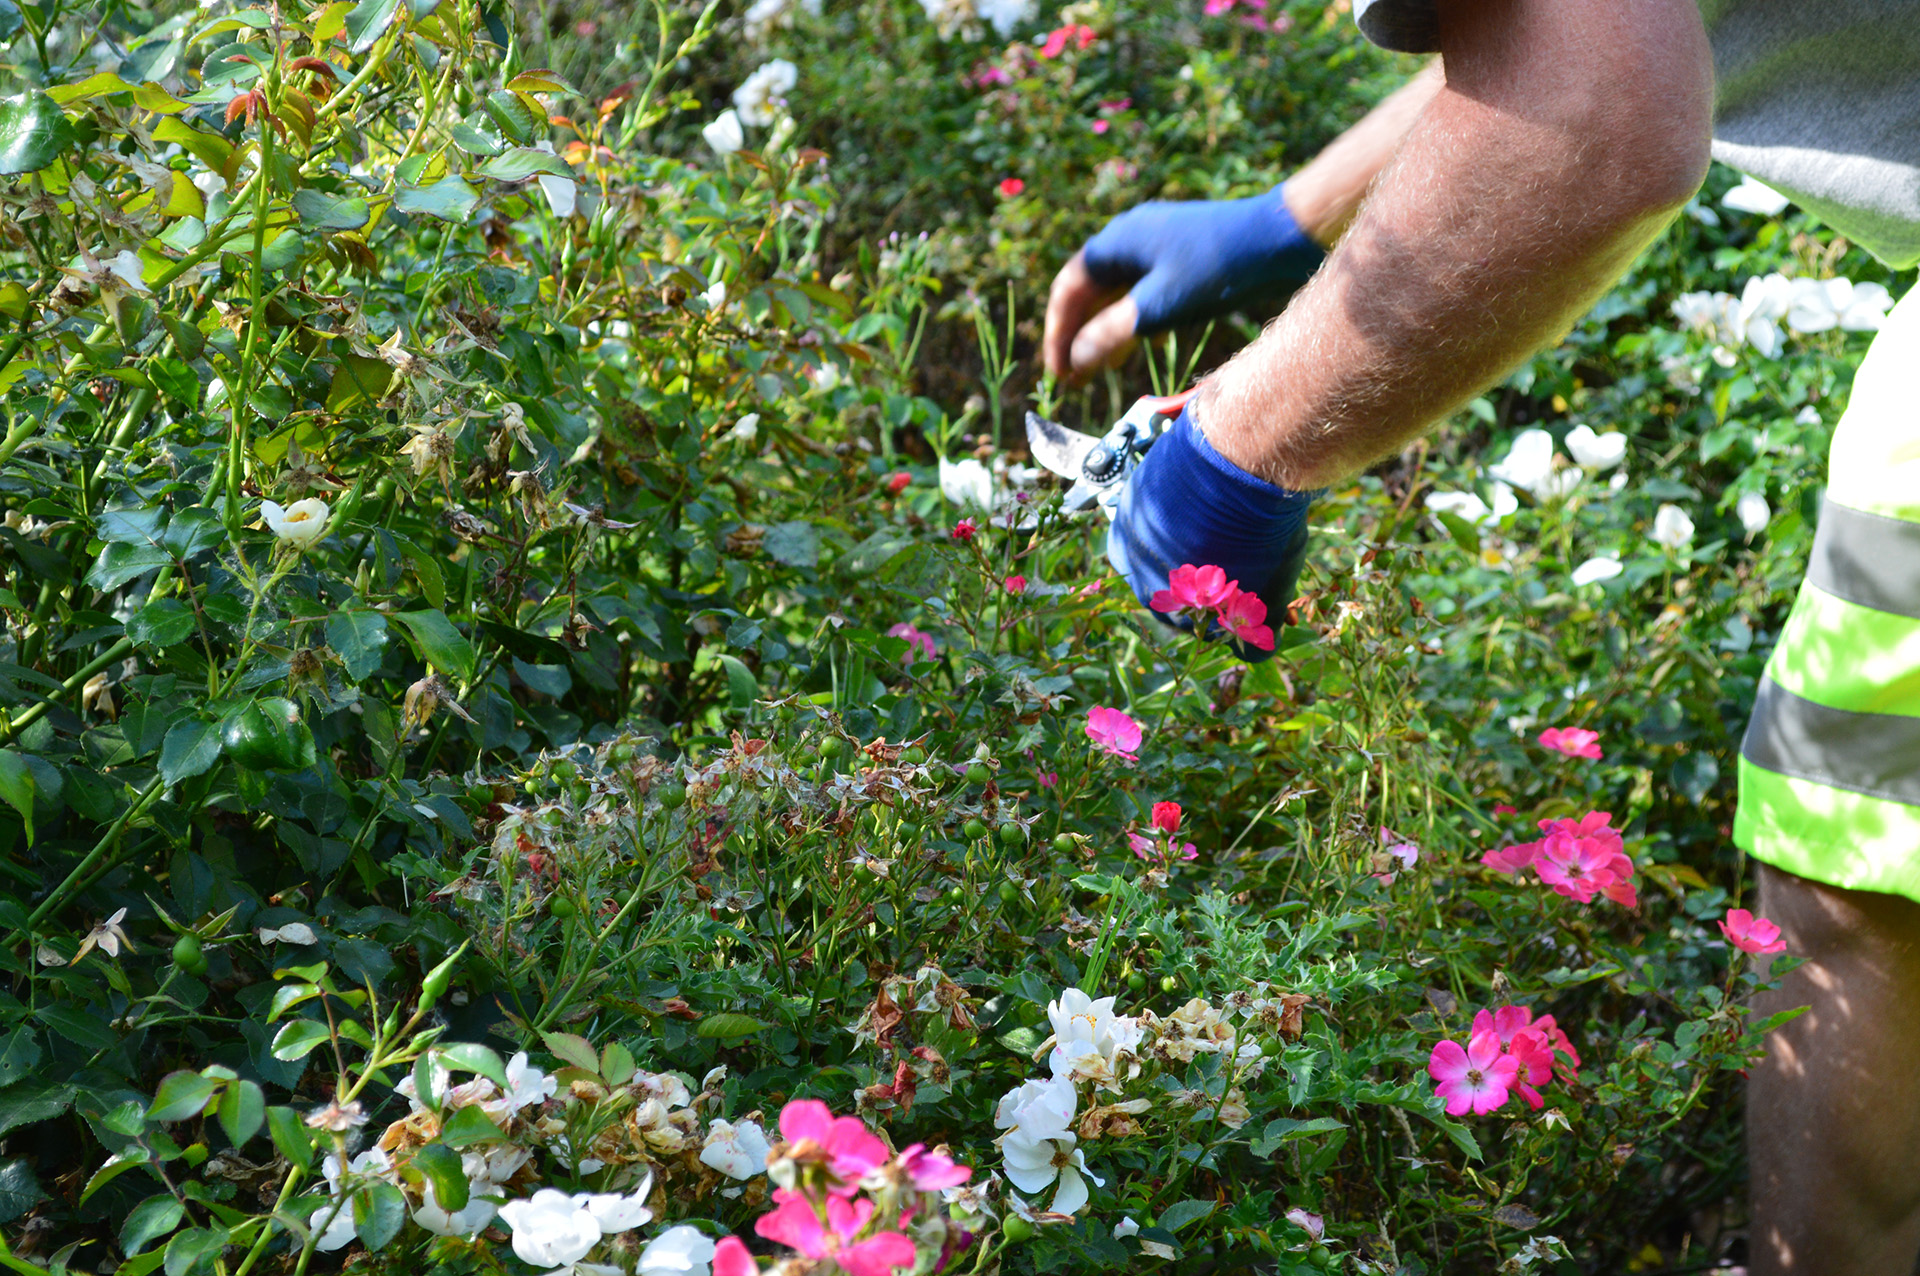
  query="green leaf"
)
[
  {"x": 512, "y": 114},
  {"x": 289, "y": 1135},
  {"x": 476, "y": 135},
  {"x": 378, "y": 1212},
  {"x": 193, "y": 531},
  {"x": 298, "y": 1039},
  {"x": 26, "y": 1104},
  {"x": 79, "y": 1026},
  {"x": 573, "y": 1050},
  {"x": 441, "y": 645},
  {"x": 33, "y": 132},
  {"x": 1182, "y": 1213},
  {"x": 19, "y": 1189},
  {"x": 181, "y": 1095},
  {"x": 548, "y": 680},
  {"x": 796, "y": 544},
  {"x": 193, "y": 1252},
  {"x": 616, "y": 1065},
  {"x": 360, "y": 639},
  {"x": 331, "y": 212},
  {"x": 243, "y": 1110},
  {"x": 1464, "y": 534},
  {"x": 729, "y": 1024},
  {"x": 450, "y": 199},
  {"x": 477, "y": 1059},
  {"x": 468, "y": 1126},
  {"x": 523, "y": 162},
  {"x": 367, "y": 21},
  {"x": 18, "y": 1055},
  {"x": 132, "y": 525},
  {"x": 149, "y": 1221},
  {"x": 165, "y": 622},
  {"x": 120, "y": 562},
  {"x": 440, "y": 1165},
  {"x": 191, "y": 747},
  {"x": 1284, "y": 1130},
  {"x": 742, "y": 689},
  {"x": 541, "y": 80},
  {"x": 17, "y": 787},
  {"x": 116, "y": 1165}
]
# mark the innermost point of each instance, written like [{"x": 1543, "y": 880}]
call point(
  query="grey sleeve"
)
[{"x": 1404, "y": 26}]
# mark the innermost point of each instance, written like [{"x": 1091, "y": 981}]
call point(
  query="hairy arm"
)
[
  {"x": 1088, "y": 327},
  {"x": 1567, "y": 134}
]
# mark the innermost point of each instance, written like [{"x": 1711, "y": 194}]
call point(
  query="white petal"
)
[
  {"x": 1751, "y": 196},
  {"x": 1595, "y": 570},
  {"x": 1071, "y": 1197},
  {"x": 561, "y": 194},
  {"x": 677, "y": 1250},
  {"x": 724, "y": 134}
]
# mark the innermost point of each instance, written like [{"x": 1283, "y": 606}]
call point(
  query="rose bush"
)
[{"x": 543, "y": 733}]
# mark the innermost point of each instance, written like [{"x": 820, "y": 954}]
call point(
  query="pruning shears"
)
[{"x": 1099, "y": 467}]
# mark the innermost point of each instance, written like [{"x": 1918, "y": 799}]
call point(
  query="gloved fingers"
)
[
  {"x": 1126, "y": 247},
  {"x": 1073, "y": 297},
  {"x": 1106, "y": 339}
]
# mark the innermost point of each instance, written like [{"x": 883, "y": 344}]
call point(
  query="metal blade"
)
[
  {"x": 1061, "y": 450},
  {"x": 1081, "y": 496}
]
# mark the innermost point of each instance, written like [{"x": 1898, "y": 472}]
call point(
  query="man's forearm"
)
[
  {"x": 1327, "y": 192},
  {"x": 1566, "y": 135}
]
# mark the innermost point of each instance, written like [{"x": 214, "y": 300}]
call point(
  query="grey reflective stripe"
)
[
  {"x": 1877, "y": 754},
  {"x": 1868, "y": 559}
]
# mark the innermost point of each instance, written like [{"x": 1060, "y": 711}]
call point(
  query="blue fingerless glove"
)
[
  {"x": 1187, "y": 504},
  {"x": 1200, "y": 259}
]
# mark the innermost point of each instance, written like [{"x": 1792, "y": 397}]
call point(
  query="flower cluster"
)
[
  {"x": 1577, "y": 858},
  {"x": 1163, "y": 847},
  {"x": 1508, "y": 1050},
  {"x": 919, "y": 643},
  {"x": 1042, "y": 1120},
  {"x": 762, "y": 96},
  {"x": 1196, "y": 591},
  {"x": 843, "y": 1197},
  {"x": 1073, "y": 35},
  {"x": 1754, "y": 318},
  {"x": 964, "y": 17}
]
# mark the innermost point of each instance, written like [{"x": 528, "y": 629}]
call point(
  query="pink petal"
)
[
  {"x": 1448, "y": 1064},
  {"x": 731, "y": 1257}
]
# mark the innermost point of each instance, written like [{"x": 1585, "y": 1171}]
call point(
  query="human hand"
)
[
  {"x": 1185, "y": 504},
  {"x": 1182, "y": 261}
]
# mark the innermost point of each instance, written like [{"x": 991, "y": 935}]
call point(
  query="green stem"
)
[
  {"x": 266, "y": 1224},
  {"x": 155, "y": 787},
  {"x": 238, "y": 396},
  {"x": 34, "y": 712}
]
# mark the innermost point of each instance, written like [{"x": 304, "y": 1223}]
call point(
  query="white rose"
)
[
  {"x": 551, "y": 1229},
  {"x": 1753, "y": 512},
  {"x": 1672, "y": 527},
  {"x": 738, "y": 1149},
  {"x": 299, "y": 524},
  {"x": 724, "y": 133},
  {"x": 1596, "y": 451}
]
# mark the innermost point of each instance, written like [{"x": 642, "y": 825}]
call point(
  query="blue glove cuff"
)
[
  {"x": 1195, "y": 260},
  {"x": 1185, "y": 503}
]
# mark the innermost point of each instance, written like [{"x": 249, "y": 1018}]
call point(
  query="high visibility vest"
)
[{"x": 1830, "y": 766}]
